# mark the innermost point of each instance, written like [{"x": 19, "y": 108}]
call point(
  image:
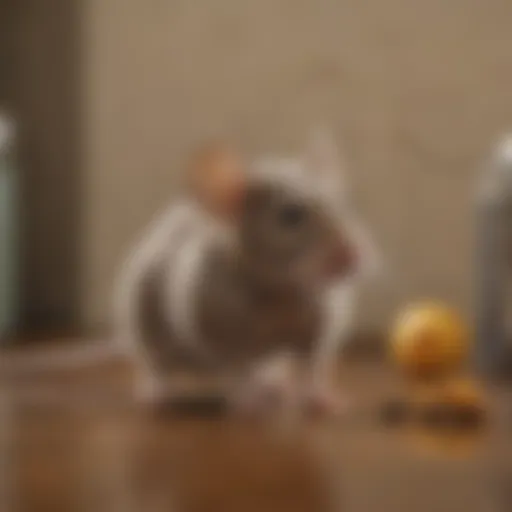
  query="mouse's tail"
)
[{"x": 17, "y": 362}]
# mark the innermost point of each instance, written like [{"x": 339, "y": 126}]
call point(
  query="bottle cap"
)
[
  {"x": 496, "y": 183},
  {"x": 505, "y": 149}
]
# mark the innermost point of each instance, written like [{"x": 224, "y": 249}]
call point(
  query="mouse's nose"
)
[{"x": 344, "y": 259}]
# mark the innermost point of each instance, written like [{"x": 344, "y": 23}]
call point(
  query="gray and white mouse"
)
[{"x": 252, "y": 275}]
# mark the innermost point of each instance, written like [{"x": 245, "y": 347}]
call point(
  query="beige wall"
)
[{"x": 416, "y": 90}]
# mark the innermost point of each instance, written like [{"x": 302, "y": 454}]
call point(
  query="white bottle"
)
[{"x": 493, "y": 259}]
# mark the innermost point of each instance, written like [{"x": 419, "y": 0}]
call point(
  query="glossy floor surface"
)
[{"x": 90, "y": 450}]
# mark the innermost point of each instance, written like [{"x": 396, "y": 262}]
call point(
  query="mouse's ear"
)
[
  {"x": 217, "y": 179},
  {"x": 323, "y": 157}
]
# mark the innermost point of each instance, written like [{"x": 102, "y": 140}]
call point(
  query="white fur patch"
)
[
  {"x": 297, "y": 176},
  {"x": 183, "y": 281},
  {"x": 274, "y": 370},
  {"x": 184, "y": 277},
  {"x": 339, "y": 301},
  {"x": 146, "y": 253},
  {"x": 290, "y": 173}
]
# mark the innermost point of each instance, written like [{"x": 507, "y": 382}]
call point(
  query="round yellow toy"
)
[
  {"x": 430, "y": 344},
  {"x": 429, "y": 340}
]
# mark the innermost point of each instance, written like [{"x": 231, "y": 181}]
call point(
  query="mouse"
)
[
  {"x": 254, "y": 275},
  {"x": 251, "y": 274}
]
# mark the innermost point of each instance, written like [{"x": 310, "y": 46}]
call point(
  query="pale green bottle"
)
[{"x": 8, "y": 231}]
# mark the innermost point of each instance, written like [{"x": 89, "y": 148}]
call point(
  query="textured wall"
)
[{"x": 416, "y": 91}]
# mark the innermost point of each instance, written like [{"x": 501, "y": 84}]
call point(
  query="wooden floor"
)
[{"x": 94, "y": 452}]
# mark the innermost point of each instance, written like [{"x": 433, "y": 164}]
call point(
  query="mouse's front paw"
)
[
  {"x": 326, "y": 402},
  {"x": 256, "y": 401},
  {"x": 150, "y": 391}
]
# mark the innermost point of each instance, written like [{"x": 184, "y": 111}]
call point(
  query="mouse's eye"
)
[{"x": 292, "y": 215}]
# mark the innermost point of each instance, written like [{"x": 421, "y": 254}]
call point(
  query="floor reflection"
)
[{"x": 95, "y": 459}]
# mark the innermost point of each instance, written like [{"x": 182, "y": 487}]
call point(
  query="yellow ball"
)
[{"x": 429, "y": 340}]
